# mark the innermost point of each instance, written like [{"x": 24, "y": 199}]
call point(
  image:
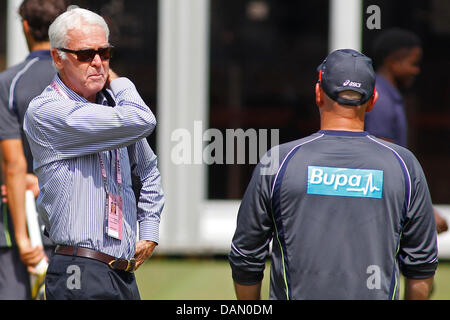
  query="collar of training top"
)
[
  {"x": 43, "y": 54},
  {"x": 345, "y": 133}
]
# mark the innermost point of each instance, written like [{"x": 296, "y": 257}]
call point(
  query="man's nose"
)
[{"x": 97, "y": 60}]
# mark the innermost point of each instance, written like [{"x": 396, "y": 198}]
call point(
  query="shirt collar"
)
[
  {"x": 382, "y": 82},
  {"x": 72, "y": 95},
  {"x": 43, "y": 54},
  {"x": 345, "y": 133}
]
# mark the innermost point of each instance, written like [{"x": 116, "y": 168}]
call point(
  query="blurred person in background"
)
[
  {"x": 397, "y": 54},
  {"x": 18, "y": 86}
]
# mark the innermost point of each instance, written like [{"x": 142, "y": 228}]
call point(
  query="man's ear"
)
[
  {"x": 56, "y": 58},
  {"x": 372, "y": 101},
  {"x": 26, "y": 26},
  {"x": 319, "y": 96},
  {"x": 28, "y": 36}
]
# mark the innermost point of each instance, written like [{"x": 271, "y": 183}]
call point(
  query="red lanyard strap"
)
[{"x": 55, "y": 86}]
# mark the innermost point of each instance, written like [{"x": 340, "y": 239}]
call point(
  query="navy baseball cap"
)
[{"x": 347, "y": 69}]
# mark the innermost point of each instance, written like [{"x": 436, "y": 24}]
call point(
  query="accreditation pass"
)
[{"x": 115, "y": 216}]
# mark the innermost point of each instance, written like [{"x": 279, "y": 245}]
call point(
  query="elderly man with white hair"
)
[{"x": 98, "y": 176}]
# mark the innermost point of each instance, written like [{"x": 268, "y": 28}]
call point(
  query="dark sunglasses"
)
[{"x": 87, "y": 55}]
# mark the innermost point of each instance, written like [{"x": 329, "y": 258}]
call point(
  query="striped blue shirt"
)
[{"x": 66, "y": 135}]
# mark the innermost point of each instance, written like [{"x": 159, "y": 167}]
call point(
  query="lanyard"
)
[
  {"x": 118, "y": 172},
  {"x": 56, "y": 87}
]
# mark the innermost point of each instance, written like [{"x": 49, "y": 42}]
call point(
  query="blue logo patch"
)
[{"x": 345, "y": 182}]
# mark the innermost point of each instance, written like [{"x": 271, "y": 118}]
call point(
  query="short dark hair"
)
[
  {"x": 391, "y": 41},
  {"x": 40, "y": 14}
]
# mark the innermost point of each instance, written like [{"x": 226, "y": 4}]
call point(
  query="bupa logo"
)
[
  {"x": 345, "y": 182},
  {"x": 353, "y": 84}
]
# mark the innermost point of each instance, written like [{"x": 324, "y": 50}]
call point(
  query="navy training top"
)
[
  {"x": 347, "y": 212},
  {"x": 18, "y": 86}
]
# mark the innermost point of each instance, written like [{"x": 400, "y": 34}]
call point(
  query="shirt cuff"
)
[
  {"x": 10, "y": 136},
  {"x": 149, "y": 230},
  {"x": 246, "y": 277},
  {"x": 423, "y": 271}
]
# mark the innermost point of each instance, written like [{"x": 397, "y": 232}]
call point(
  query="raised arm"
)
[{"x": 69, "y": 126}]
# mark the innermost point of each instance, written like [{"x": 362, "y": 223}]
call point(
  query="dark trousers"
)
[
  {"x": 77, "y": 278},
  {"x": 14, "y": 277}
]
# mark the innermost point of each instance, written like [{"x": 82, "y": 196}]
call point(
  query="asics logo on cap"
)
[{"x": 349, "y": 83}]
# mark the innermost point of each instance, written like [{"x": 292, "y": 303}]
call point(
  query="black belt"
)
[{"x": 112, "y": 262}]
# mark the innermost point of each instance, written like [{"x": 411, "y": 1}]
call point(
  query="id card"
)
[{"x": 115, "y": 216}]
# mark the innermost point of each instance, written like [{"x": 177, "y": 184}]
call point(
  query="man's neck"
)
[
  {"x": 330, "y": 122},
  {"x": 342, "y": 118},
  {"x": 341, "y": 128},
  {"x": 40, "y": 46},
  {"x": 62, "y": 77}
]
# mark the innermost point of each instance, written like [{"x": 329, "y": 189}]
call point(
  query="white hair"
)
[{"x": 73, "y": 18}]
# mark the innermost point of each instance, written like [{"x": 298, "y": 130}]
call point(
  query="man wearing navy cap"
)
[{"x": 347, "y": 212}]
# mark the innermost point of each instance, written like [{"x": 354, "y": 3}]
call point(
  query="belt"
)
[{"x": 112, "y": 262}]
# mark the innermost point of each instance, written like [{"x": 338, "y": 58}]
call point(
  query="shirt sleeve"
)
[
  {"x": 68, "y": 128},
  {"x": 148, "y": 190},
  {"x": 254, "y": 230},
  {"x": 418, "y": 255},
  {"x": 9, "y": 121}
]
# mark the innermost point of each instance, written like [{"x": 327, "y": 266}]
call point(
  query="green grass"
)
[
  {"x": 188, "y": 279},
  {"x": 441, "y": 290},
  {"x": 210, "y": 279}
]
